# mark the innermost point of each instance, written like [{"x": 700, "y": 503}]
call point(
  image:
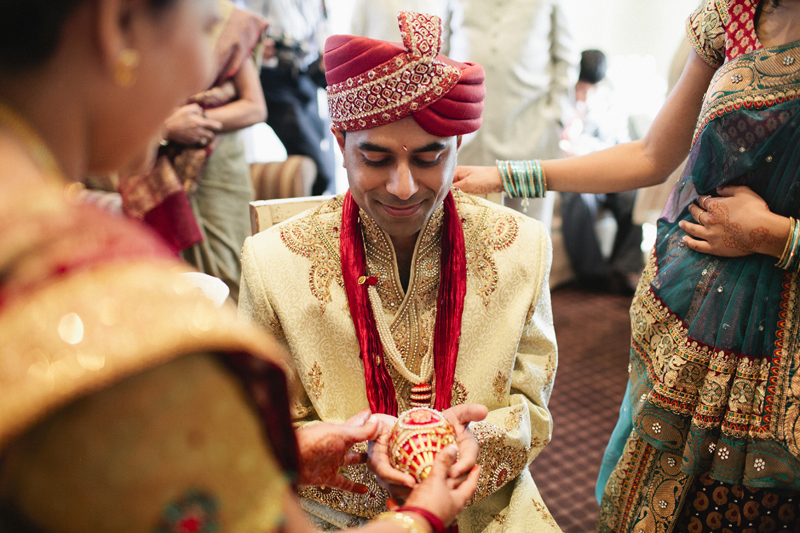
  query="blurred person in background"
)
[
  {"x": 531, "y": 69},
  {"x": 377, "y": 19},
  {"x": 291, "y": 76},
  {"x": 197, "y": 194},
  {"x": 123, "y": 401},
  {"x": 595, "y": 126}
]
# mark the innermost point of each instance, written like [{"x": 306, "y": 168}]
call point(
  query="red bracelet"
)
[{"x": 433, "y": 520}]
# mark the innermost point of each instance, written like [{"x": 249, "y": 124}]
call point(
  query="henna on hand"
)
[
  {"x": 326, "y": 447},
  {"x": 735, "y": 224},
  {"x": 734, "y": 236}
]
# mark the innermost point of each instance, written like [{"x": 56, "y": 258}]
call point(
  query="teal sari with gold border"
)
[{"x": 713, "y": 384}]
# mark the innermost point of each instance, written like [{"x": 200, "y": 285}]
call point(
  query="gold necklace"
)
[{"x": 25, "y": 134}]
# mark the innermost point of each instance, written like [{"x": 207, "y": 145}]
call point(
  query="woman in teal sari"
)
[{"x": 709, "y": 432}]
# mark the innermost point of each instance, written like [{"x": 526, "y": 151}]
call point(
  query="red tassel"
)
[
  {"x": 380, "y": 389},
  {"x": 450, "y": 307}
]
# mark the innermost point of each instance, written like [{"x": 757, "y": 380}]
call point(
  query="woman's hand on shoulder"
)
[
  {"x": 478, "y": 180},
  {"x": 736, "y": 223}
]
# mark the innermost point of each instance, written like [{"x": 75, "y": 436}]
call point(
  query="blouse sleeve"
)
[{"x": 706, "y": 31}]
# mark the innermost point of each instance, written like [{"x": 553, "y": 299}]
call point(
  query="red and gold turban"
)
[{"x": 372, "y": 83}]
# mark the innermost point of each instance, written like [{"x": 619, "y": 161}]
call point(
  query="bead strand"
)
[{"x": 390, "y": 350}]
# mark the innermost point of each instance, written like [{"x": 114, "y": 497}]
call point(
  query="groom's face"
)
[{"x": 398, "y": 173}]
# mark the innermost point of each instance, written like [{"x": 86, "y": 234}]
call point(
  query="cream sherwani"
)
[{"x": 292, "y": 285}]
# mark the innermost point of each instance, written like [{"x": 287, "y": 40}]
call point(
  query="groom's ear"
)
[{"x": 458, "y": 141}]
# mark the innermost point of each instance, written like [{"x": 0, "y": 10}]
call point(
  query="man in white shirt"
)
[
  {"x": 531, "y": 66},
  {"x": 291, "y": 76},
  {"x": 377, "y": 19}
]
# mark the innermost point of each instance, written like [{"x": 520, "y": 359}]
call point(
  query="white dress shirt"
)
[
  {"x": 377, "y": 19},
  {"x": 531, "y": 66}
]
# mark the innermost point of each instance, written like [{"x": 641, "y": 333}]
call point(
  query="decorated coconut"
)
[{"x": 416, "y": 438}]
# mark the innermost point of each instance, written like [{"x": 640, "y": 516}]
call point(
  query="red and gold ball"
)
[{"x": 416, "y": 438}]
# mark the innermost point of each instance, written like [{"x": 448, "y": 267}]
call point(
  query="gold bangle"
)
[
  {"x": 783, "y": 260},
  {"x": 402, "y": 520},
  {"x": 544, "y": 179}
]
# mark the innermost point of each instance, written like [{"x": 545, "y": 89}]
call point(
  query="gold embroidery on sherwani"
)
[
  {"x": 485, "y": 235},
  {"x": 544, "y": 513},
  {"x": 499, "y": 462},
  {"x": 500, "y": 385},
  {"x": 319, "y": 243},
  {"x": 513, "y": 419},
  {"x": 459, "y": 395},
  {"x": 364, "y": 505},
  {"x": 315, "y": 381}
]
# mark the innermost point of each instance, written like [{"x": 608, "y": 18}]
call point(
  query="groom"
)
[{"x": 403, "y": 292}]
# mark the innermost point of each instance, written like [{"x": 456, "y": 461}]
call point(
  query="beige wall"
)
[
  {"x": 625, "y": 27},
  {"x": 618, "y": 27}
]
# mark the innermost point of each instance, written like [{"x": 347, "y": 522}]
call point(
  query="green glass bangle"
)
[
  {"x": 530, "y": 179},
  {"x": 794, "y": 254},
  {"x": 501, "y": 167},
  {"x": 792, "y": 247},
  {"x": 512, "y": 179},
  {"x": 522, "y": 179},
  {"x": 541, "y": 189}
]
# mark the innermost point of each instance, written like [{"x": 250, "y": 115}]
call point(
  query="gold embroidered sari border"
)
[
  {"x": 758, "y": 80},
  {"x": 715, "y": 387}
]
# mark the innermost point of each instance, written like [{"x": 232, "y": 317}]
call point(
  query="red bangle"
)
[{"x": 433, "y": 520}]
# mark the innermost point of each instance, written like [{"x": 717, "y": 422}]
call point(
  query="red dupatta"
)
[
  {"x": 449, "y": 308},
  {"x": 161, "y": 196}
]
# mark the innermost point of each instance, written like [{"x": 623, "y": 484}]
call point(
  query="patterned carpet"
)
[{"x": 593, "y": 334}]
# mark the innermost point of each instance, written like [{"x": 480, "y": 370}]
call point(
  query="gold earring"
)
[{"x": 125, "y": 71}]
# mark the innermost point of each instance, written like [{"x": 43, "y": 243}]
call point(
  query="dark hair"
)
[
  {"x": 31, "y": 29},
  {"x": 760, "y": 8},
  {"x": 593, "y": 66}
]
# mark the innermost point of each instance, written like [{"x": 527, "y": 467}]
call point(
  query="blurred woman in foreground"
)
[{"x": 121, "y": 402}]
